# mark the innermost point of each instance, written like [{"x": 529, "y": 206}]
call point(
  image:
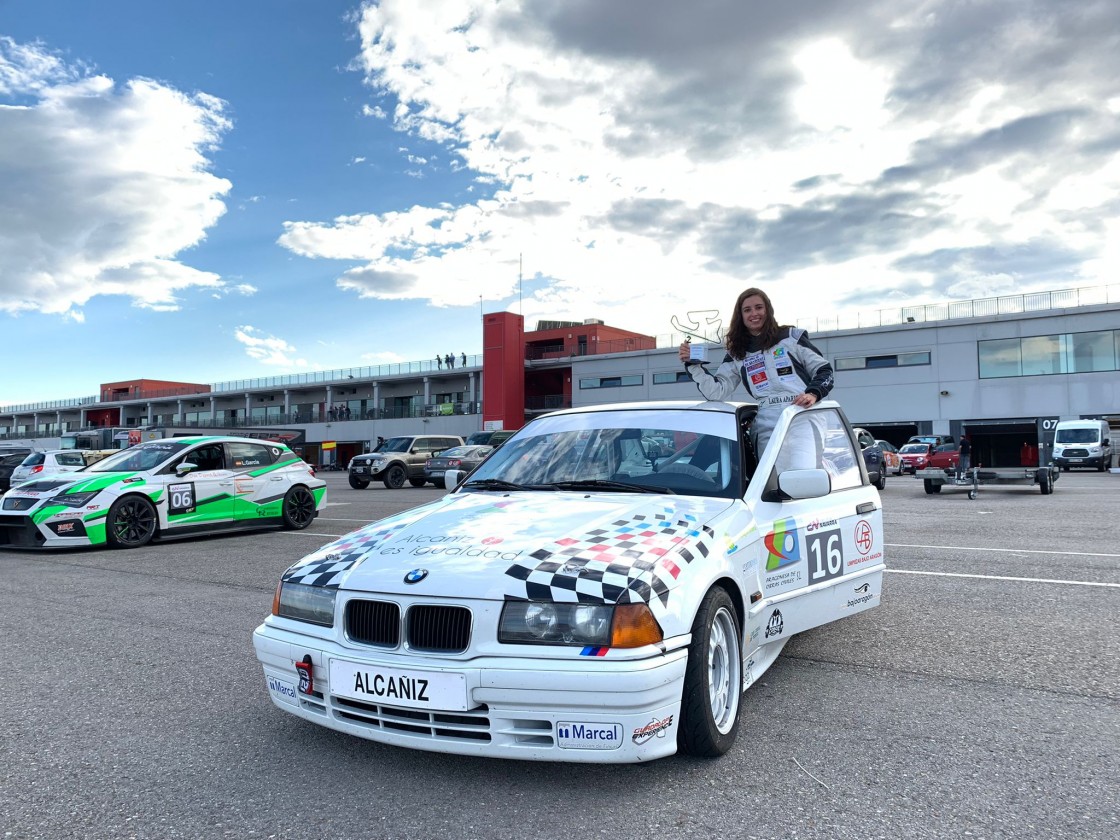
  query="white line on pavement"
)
[
  {"x": 1001, "y": 577},
  {"x": 1010, "y": 550}
]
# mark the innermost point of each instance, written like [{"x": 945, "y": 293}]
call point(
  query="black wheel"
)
[
  {"x": 358, "y": 483},
  {"x": 298, "y": 509},
  {"x": 440, "y": 483},
  {"x": 131, "y": 522},
  {"x": 881, "y": 483},
  {"x": 931, "y": 488},
  {"x": 713, "y": 680},
  {"x": 972, "y": 494},
  {"x": 395, "y": 477},
  {"x": 1044, "y": 482},
  {"x": 418, "y": 482}
]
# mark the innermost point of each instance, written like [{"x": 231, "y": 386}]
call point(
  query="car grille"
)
[
  {"x": 19, "y": 532},
  {"x": 456, "y": 726},
  {"x": 427, "y": 627},
  {"x": 1076, "y": 453}
]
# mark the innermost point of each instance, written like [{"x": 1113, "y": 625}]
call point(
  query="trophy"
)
[{"x": 705, "y": 325}]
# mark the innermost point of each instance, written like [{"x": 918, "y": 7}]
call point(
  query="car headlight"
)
[
  {"x": 548, "y": 623},
  {"x": 313, "y": 604},
  {"x": 74, "y": 499}
]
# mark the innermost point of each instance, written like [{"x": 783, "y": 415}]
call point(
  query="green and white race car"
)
[{"x": 164, "y": 488}]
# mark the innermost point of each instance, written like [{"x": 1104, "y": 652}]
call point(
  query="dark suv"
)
[
  {"x": 10, "y": 458},
  {"x": 399, "y": 459}
]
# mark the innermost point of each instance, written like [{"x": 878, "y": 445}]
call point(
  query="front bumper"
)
[
  {"x": 1085, "y": 461},
  {"x": 594, "y": 711},
  {"x": 364, "y": 471}
]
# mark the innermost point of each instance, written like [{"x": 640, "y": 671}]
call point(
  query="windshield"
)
[
  {"x": 1077, "y": 436},
  {"x": 915, "y": 447},
  {"x": 397, "y": 444},
  {"x": 146, "y": 456},
  {"x": 683, "y": 452}
]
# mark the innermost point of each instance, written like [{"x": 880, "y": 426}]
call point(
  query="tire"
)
[
  {"x": 931, "y": 488},
  {"x": 713, "y": 680},
  {"x": 395, "y": 476},
  {"x": 131, "y": 523},
  {"x": 358, "y": 483},
  {"x": 1044, "y": 484},
  {"x": 298, "y": 508},
  {"x": 440, "y": 483},
  {"x": 881, "y": 483},
  {"x": 418, "y": 482}
]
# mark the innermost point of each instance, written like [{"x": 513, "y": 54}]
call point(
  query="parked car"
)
[
  {"x": 464, "y": 458},
  {"x": 161, "y": 489},
  {"x": 399, "y": 459},
  {"x": 10, "y": 458},
  {"x": 489, "y": 438},
  {"x": 932, "y": 440},
  {"x": 945, "y": 457},
  {"x": 47, "y": 463},
  {"x": 890, "y": 456},
  {"x": 915, "y": 456},
  {"x": 872, "y": 457},
  {"x": 576, "y": 600}
]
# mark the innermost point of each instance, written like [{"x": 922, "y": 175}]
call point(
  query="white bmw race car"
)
[
  {"x": 583, "y": 595},
  {"x": 164, "y": 488}
]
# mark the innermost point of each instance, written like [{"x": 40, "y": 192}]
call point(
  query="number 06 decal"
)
[
  {"x": 180, "y": 498},
  {"x": 826, "y": 555}
]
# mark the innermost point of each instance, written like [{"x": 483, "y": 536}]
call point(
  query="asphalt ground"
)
[{"x": 981, "y": 700}]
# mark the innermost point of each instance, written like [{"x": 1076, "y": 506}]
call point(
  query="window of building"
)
[
  {"x": 1042, "y": 355},
  {"x": 670, "y": 378},
  {"x": 611, "y": 381},
  {"x": 883, "y": 361}
]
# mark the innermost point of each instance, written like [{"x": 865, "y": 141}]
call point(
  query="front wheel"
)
[
  {"x": 972, "y": 495},
  {"x": 1044, "y": 484},
  {"x": 418, "y": 482},
  {"x": 298, "y": 509},
  {"x": 713, "y": 680},
  {"x": 930, "y": 487},
  {"x": 131, "y": 522},
  {"x": 358, "y": 483},
  {"x": 394, "y": 477}
]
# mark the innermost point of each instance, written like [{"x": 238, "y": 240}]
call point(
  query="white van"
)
[{"x": 1082, "y": 443}]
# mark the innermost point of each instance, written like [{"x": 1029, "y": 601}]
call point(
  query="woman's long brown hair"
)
[{"x": 739, "y": 341}]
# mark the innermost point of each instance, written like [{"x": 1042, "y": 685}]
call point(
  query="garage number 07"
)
[{"x": 825, "y": 555}]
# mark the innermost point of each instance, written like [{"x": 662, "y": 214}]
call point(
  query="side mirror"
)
[
  {"x": 185, "y": 467},
  {"x": 452, "y": 479},
  {"x": 805, "y": 484}
]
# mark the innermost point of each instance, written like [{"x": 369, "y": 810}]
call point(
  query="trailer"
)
[{"x": 934, "y": 479}]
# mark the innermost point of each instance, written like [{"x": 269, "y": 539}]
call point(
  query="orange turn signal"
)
[
  {"x": 276, "y": 599},
  {"x": 634, "y": 626}
]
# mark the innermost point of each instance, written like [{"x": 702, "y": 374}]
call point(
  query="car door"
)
[
  {"x": 203, "y": 496},
  {"x": 810, "y": 548},
  {"x": 255, "y": 487}
]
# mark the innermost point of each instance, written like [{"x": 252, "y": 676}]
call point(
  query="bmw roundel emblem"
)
[{"x": 416, "y": 575}]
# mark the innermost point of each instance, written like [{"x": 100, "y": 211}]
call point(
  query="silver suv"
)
[{"x": 399, "y": 459}]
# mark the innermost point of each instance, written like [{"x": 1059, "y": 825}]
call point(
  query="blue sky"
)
[{"x": 207, "y": 191}]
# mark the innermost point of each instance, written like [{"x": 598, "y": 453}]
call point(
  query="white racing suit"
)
[{"x": 773, "y": 377}]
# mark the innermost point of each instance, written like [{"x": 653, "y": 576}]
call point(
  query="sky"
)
[{"x": 209, "y": 191}]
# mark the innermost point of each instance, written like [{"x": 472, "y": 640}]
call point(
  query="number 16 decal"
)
[{"x": 826, "y": 555}]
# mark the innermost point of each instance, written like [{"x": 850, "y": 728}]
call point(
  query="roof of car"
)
[{"x": 661, "y": 405}]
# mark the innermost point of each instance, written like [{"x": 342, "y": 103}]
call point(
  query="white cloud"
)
[
  {"x": 105, "y": 184},
  {"x": 644, "y": 154},
  {"x": 268, "y": 349}
]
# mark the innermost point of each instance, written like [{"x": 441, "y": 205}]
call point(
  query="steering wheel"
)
[{"x": 686, "y": 469}]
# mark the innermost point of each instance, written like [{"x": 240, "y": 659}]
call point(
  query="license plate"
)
[
  {"x": 359, "y": 469},
  {"x": 1076, "y": 460},
  {"x": 405, "y": 687}
]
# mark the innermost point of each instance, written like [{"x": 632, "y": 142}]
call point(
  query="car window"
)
[
  {"x": 69, "y": 459},
  {"x": 397, "y": 444},
  {"x": 946, "y": 447},
  {"x": 248, "y": 456},
  {"x": 209, "y": 456},
  {"x": 820, "y": 440},
  {"x": 33, "y": 460},
  {"x": 458, "y": 451}
]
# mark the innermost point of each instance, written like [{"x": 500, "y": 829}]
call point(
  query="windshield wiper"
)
[
  {"x": 499, "y": 484},
  {"x": 603, "y": 484}
]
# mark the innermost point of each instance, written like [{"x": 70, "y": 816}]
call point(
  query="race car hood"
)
[
  {"x": 77, "y": 482},
  {"x": 603, "y": 547}
]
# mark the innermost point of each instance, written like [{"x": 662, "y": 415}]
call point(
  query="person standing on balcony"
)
[{"x": 778, "y": 365}]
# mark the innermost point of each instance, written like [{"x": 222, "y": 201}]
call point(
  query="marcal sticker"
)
[{"x": 588, "y": 736}]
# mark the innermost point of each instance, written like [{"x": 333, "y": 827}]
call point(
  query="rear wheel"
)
[
  {"x": 713, "y": 680},
  {"x": 358, "y": 483},
  {"x": 972, "y": 494},
  {"x": 418, "y": 482},
  {"x": 298, "y": 509},
  {"x": 1044, "y": 482},
  {"x": 395, "y": 477},
  {"x": 131, "y": 522},
  {"x": 881, "y": 483},
  {"x": 931, "y": 488},
  {"x": 439, "y": 482}
]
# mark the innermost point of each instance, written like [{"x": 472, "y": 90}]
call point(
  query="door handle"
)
[{"x": 865, "y": 507}]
